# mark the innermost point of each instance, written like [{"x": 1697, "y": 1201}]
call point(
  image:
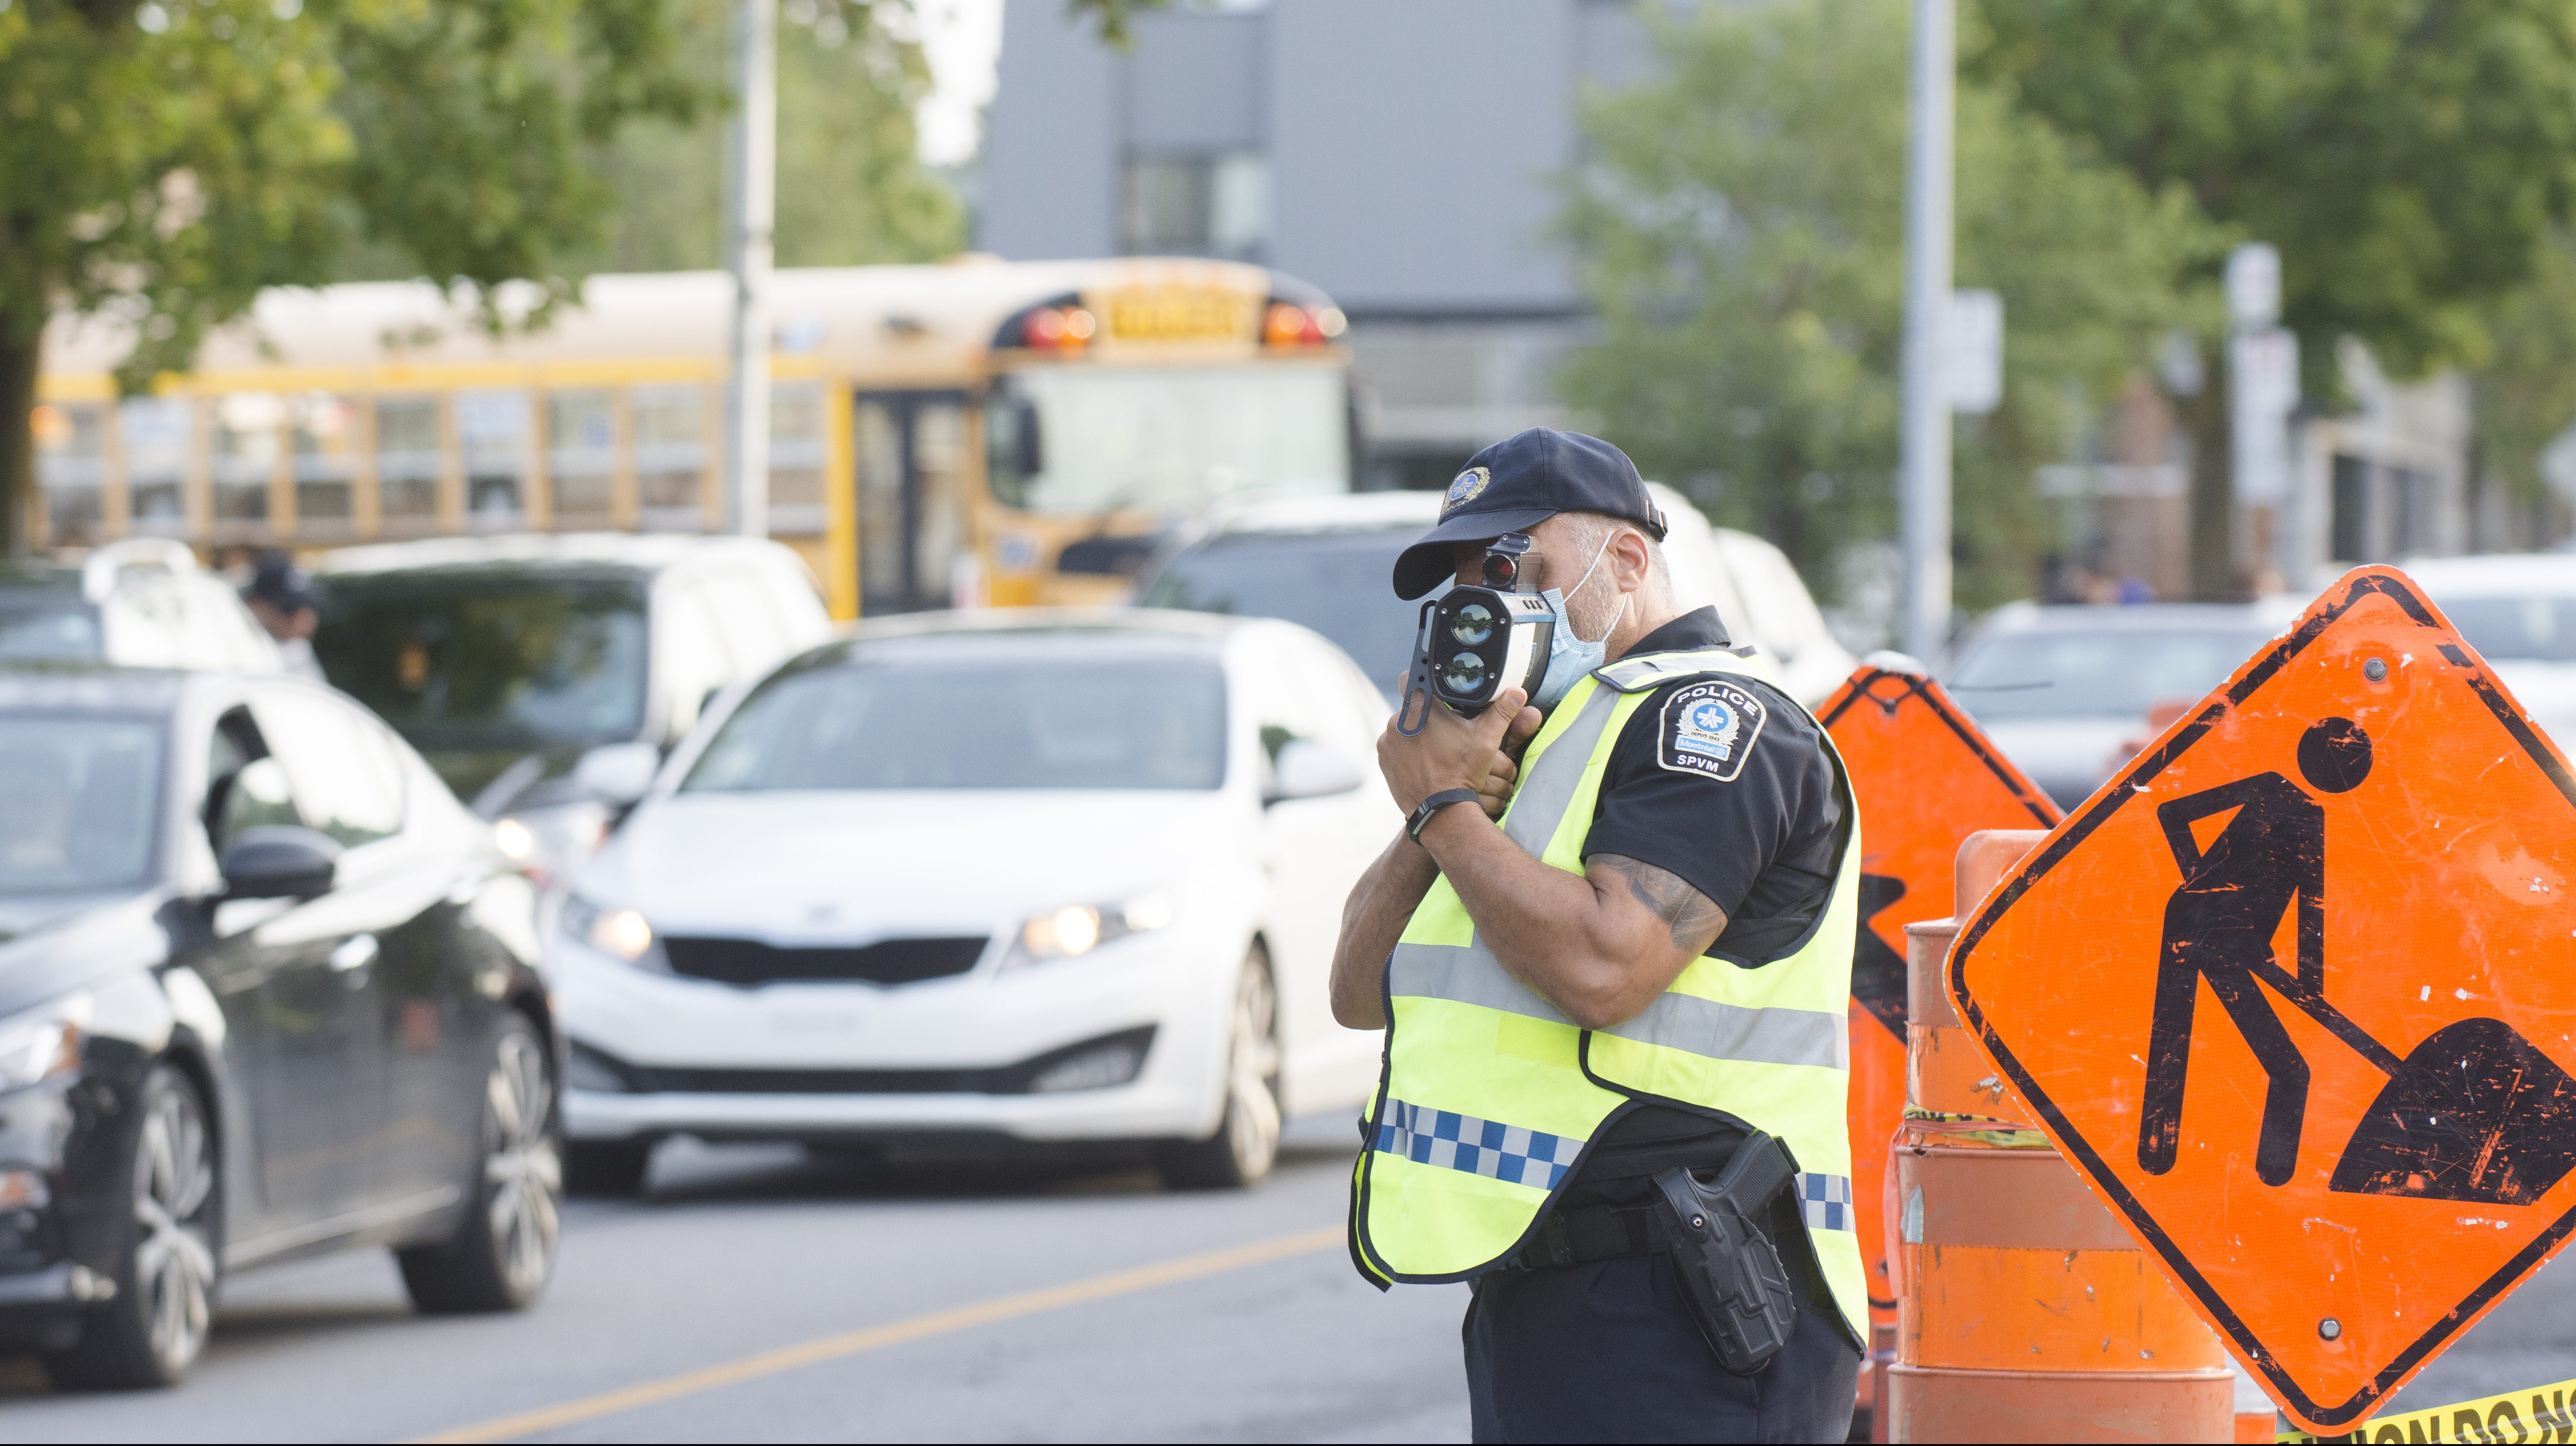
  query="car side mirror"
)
[
  {"x": 279, "y": 861},
  {"x": 1309, "y": 768},
  {"x": 618, "y": 773}
]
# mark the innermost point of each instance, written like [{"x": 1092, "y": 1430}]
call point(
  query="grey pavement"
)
[{"x": 744, "y": 1250}]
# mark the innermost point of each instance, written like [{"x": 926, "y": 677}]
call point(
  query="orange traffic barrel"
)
[{"x": 2025, "y": 1312}]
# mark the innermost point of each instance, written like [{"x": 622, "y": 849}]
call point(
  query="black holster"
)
[{"x": 1739, "y": 1292}]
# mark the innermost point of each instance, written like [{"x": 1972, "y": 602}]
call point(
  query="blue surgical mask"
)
[{"x": 1569, "y": 658}]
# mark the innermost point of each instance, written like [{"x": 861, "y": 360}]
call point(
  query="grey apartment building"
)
[{"x": 1404, "y": 155}]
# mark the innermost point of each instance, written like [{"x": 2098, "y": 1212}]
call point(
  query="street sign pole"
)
[
  {"x": 1924, "y": 465},
  {"x": 752, "y": 192}
]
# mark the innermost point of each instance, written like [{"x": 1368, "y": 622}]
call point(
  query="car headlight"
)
[
  {"x": 43, "y": 1043},
  {"x": 1078, "y": 929},
  {"x": 618, "y": 933}
]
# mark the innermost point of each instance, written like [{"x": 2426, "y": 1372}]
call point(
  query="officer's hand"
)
[
  {"x": 1505, "y": 771},
  {"x": 1450, "y": 752}
]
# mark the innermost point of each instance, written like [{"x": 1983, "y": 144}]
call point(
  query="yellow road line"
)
[{"x": 920, "y": 1327}]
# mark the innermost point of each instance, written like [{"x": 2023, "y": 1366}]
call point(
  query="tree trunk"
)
[
  {"x": 20, "y": 351},
  {"x": 2214, "y": 576}
]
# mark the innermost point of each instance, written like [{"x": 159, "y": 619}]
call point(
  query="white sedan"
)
[{"x": 1040, "y": 877}]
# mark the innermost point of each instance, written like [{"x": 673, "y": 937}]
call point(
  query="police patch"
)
[
  {"x": 1464, "y": 489},
  {"x": 1709, "y": 728}
]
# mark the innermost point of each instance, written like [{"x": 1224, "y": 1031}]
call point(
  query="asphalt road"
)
[
  {"x": 1255, "y": 1329},
  {"x": 756, "y": 1295}
]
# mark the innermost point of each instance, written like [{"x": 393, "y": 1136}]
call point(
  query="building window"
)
[{"x": 1196, "y": 203}]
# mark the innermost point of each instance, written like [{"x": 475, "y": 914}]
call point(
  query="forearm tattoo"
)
[{"x": 1692, "y": 920}]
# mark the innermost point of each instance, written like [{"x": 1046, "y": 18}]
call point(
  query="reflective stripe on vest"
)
[{"x": 1491, "y": 1096}]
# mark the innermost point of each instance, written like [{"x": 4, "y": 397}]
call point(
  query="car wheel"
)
[
  {"x": 151, "y": 1330},
  {"x": 504, "y": 1252},
  {"x": 1246, "y": 1142},
  {"x": 606, "y": 1167}
]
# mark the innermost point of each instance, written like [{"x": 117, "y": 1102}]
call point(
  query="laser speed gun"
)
[{"x": 1476, "y": 641}]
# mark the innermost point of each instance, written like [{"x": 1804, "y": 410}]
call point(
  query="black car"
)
[{"x": 266, "y": 990}]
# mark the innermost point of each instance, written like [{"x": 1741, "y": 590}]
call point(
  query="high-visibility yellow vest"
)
[{"x": 1490, "y": 1098}]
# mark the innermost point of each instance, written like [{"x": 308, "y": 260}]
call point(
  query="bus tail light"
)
[
  {"x": 1288, "y": 324},
  {"x": 1061, "y": 328}
]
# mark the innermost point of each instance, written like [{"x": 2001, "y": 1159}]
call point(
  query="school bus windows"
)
[
  {"x": 71, "y": 470},
  {"x": 1108, "y": 439},
  {"x": 796, "y": 460},
  {"x": 407, "y": 463},
  {"x": 327, "y": 446},
  {"x": 581, "y": 457},
  {"x": 246, "y": 454},
  {"x": 671, "y": 457},
  {"x": 155, "y": 432},
  {"x": 492, "y": 434},
  {"x": 913, "y": 499}
]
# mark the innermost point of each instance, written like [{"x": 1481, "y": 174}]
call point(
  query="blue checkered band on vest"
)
[
  {"x": 1826, "y": 1201},
  {"x": 1479, "y": 1147}
]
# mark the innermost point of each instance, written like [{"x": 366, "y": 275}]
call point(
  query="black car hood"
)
[{"x": 52, "y": 946}]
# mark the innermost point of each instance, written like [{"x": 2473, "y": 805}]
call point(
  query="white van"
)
[{"x": 1326, "y": 562}]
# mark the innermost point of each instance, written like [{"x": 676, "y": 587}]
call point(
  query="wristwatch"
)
[{"x": 1422, "y": 812}]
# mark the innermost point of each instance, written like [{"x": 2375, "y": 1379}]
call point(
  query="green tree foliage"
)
[
  {"x": 851, "y": 190},
  {"x": 2408, "y": 157},
  {"x": 2525, "y": 395},
  {"x": 1740, "y": 227},
  {"x": 161, "y": 161}
]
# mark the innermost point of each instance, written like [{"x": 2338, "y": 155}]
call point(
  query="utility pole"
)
[
  {"x": 1924, "y": 467},
  {"x": 751, "y": 204}
]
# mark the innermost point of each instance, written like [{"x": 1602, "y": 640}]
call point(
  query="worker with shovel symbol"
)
[
  {"x": 2474, "y": 1112},
  {"x": 2219, "y": 927}
]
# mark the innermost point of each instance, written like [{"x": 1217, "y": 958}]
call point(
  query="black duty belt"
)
[{"x": 1586, "y": 1233}]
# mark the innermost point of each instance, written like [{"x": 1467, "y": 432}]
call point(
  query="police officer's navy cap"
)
[{"x": 1518, "y": 483}]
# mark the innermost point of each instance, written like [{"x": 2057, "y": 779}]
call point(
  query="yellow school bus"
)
[{"x": 970, "y": 432}]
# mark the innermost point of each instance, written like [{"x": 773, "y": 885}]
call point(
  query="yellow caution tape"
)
[{"x": 2544, "y": 1413}]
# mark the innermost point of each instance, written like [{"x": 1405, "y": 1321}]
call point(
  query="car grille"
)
[
  {"x": 748, "y": 962},
  {"x": 1004, "y": 1079}
]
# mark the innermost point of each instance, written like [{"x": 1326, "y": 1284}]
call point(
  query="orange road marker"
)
[
  {"x": 1926, "y": 778},
  {"x": 2293, "y": 992}
]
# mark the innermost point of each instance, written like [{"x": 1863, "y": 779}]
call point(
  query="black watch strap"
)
[{"x": 1436, "y": 802}]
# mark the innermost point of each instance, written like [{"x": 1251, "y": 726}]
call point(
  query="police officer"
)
[{"x": 1634, "y": 964}]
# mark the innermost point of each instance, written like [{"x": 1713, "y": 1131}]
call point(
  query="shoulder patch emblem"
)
[
  {"x": 1464, "y": 489},
  {"x": 1708, "y": 728}
]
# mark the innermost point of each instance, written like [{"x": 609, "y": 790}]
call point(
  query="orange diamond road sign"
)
[
  {"x": 1926, "y": 778},
  {"x": 2293, "y": 991}
]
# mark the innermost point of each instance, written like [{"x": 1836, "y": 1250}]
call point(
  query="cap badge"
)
[{"x": 1464, "y": 490}]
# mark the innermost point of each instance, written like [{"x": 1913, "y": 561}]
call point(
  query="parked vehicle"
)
[
  {"x": 266, "y": 990},
  {"x": 2519, "y": 612},
  {"x": 2067, "y": 692},
  {"x": 544, "y": 677},
  {"x": 140, "y": 604},
  {"x": 1016, "y": 876},
  {"x": 1324, "y": 562}
]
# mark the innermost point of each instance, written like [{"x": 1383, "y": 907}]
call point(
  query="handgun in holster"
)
[{"x": 1731, "y": 1275}]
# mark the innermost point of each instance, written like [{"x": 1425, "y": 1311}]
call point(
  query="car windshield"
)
[
  {"x": 2097, "y": 672},
  {"x": 490, "y": 662},
  {"x": 1168, "y": 439},
  {"x": 80, "y": 793},
  {"x": 50, "y": 627},
  {"x": 1333, "y": 582},
  {"x": 2521, "y": 629},
  {"x": 983, "y": 720}
]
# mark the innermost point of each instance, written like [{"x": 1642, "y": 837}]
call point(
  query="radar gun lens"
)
[
  {"x": 1464, "y": 674},
  {"x": 1472, "y": 624}
]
